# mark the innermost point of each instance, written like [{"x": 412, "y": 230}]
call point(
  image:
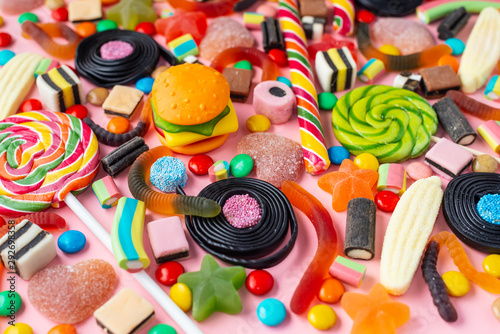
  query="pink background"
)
[{"x": 474, "y": 309}]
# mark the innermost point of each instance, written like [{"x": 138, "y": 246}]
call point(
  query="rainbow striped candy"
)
[
  {"x": 311, "y": 132},
  {"x": 343, "y": 17},
  {"x": 490, "y": 131},
  {"x": 492, "y": 90},
  {"x": 183, "y": 46},
  {"x": 43, "y": 156}
]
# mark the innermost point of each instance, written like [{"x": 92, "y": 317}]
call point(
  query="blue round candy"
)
[
  {"x": 168, "y": 173},
  {"x": 5, "y": 56},
  {"x": 145, "y": 85},
  {"x": 71, "y": 241},
  {"x": 337, "y": 154},
  {"x": 456, "y": 45},
  {"x": 271, "y": 312},
  {"x": 285, "y": 81}
]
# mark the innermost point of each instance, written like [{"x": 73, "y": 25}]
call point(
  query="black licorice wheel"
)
[
  {"x": 390, "y": 8},
  {"x": 107, "y": 73},
  {"x": 252, "y": 247},
  {"x": 459, "y": 208}
]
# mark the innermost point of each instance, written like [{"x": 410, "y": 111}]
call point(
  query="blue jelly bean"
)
[
  {"x": 5, "y": 56},
  {"x": 71, "y": 241},
  {"x": 271, "y": 312},
  {"x": 456, "y": 45},
  {"x": 337, "y": 154},
  {"x": 488, "y": 208},
  {"x": 145, "y": 85},
  {"x": 167, "y": 173},
  {"x": 285, "y": 81}
]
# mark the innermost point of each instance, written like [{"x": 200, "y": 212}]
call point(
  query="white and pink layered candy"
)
[
  {"x": 168, "y": 240},
  {"x": 275, "y": 100},
  {"x": 392, "y": 177}
]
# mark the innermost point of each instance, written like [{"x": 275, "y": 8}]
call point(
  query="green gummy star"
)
[
  {"x": 129, "y": 13},
  {"x": 214, "y": 288}
]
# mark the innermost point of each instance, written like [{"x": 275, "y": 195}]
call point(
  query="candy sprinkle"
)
[
  {"x": 242, "y": 211},
  {"x": 488, "y": 208},
  {"x": 168, "y": 173}
]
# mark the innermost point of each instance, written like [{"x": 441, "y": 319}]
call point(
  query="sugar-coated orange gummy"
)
[
  {"x": 374, "y": 313},
  {"x": 347, "y": 183}
]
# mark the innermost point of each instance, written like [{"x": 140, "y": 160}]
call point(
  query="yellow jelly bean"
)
[
  {"x": 389, "y": 50},
  {"x": 366, "y": 161},
  {"x": 258, "y": 123},
  {"x": 19, "y": 328},
  {"x": 322, "y": 317},
  {"x": 491, "y": 265},
  {"x": 181, "y": 295},
  {"x": 1, "y": 21},
  {"x": 457, "y": 285}
]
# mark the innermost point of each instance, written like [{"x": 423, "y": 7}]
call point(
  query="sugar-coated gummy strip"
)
[
  {"x": 251, "y": 248},
  {"x": 123, "y": 156},
  {"x": 471, "y": 106},
  {"x": 113, "y": 139},
  {"x": 486, "y": 281},
  {"x": 454, "y": 122},
  {"x": 436, "y": 284},
  {"x": 16, "y": 80},
  {"x": 360, "y": 229},
  {"x": 44, "y": 34},
  {"x": 60, "y": 154},
  {"x": 46, "y": 220},
  {"x": 257, "y": 58},
  {"x": 167, "y": 204},
  {"x": 108, "y": 73},
  {"x": 433, "y": 10},
  {"x": 311, "y": 131},
  {"x": 425, "y": 58},
  {"x": 314, "y": 275},
  {"x": 482, "y": 51},
  {"x": 211, "y": 8},
  {"x": 460, "y": 213},
  {"x": 406, "y": 236},
  {"x": 403, "y": 123}
]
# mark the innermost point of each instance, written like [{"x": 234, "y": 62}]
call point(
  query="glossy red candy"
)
[
  {"x": 365, "y": 16},
  {"x": 386, "y": 200},
  {"x": 199, "y": 164},
  {"x": 168, "y": 272},
  {"x": 259, "y": 282},
  {"x": 5, "y": 39},
  {"x": 147, "y": 28},
  {"x": 60, "y": 14},
  {"x": 279, "y": 57},
  {"x": 181, "y": 23},
  {"x": 327, "y": 43},
  {"x": 78, "y": 111},
  {"x": 30, "y": 105}
]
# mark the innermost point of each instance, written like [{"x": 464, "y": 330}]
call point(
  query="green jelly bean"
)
[
  {"x": 327, "y": 100},
  {"x": 241, "y": 165},
  {"x": 162, "y": 329},
  {"x": 28, "y": 17},
  {"x": 243, "y": 64},
  {"x": 106, "y": 25},
  {"x": 10, "y": 303}
]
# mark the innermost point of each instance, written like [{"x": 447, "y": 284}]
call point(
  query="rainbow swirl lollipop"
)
[{"x": 43, "y": 156}]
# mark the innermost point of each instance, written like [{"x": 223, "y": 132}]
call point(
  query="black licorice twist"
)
[
  {"x": 123, "y": 156},
  {"x": 459, "y": 209},
  {"x": 107, "y": 73},
  {"x": 248, "y": 247},
  {"x": 436, "y": 284}
]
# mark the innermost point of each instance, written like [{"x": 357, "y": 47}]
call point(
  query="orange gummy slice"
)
[
  {"x": 347, "y": 183},
  {"x": 374, "y": 313}
]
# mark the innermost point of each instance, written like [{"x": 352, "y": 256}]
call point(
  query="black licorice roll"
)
[
  {"x": 360, "y": 229},
  {"x": 122, "y": 157},
  {"x": 454, "y": 122},
  {"x": 436, "y": 284},
  {"x": 252, "y": 247},
  {"x": 453, "y": 23},
  {"x": 272, "y": 37},
  {"x": 107, "y": 73},
  {"x": 460, "y": 210}
]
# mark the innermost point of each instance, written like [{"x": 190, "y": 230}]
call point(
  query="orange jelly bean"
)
[
  {"x": 118, "y": 125},
  {"x": 85, "y": 29},
  {"x": 63, "y": 329},
  {"x": 331, "y": 291},
  {"x": 449, "y": 60}
]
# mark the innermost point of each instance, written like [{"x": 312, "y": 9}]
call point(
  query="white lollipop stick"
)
[
  {"x": 147, "y": 282},
  {"x": 471, "y": 150}
]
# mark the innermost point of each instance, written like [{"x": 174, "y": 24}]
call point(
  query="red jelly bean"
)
[
  {"x": 78, "y": 111},
  {"x": 199, "y": 164},
  {"x": 60, "y": 14},
  {"x": 279, "y": 57},
  {"x": 386, "y": 200},
  {"x": 31, "y": 105},
  {"x": 259, "y": 282},
  {"x": 168, "y": 272},
  {"x": 365, "y": 16},
  {"x": 5, "y": 39},
  {"x": 147, "y": 28}
]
